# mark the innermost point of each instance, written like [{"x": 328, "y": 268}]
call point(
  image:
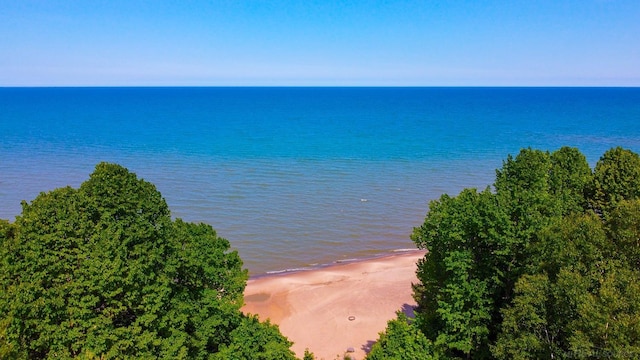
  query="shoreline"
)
[
  {"x": 382, "y": 254},
  {"x": 339, "y": 306}
]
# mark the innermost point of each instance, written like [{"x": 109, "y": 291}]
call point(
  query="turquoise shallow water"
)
[{"x": 299, "y": 176}]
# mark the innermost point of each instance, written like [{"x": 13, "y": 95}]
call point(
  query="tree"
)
[
  {"x": 523, "y": 189},
  {"x": 7, "y": 236},
  {"x": 523, "y": 186},
  {"x": 607, "y": 321},
  {"x": 526, "y": 332},
  {"x": 577, "y": 297},
  {"x": 577, "y": 315},
  {"x": 624, "y": 229},
  {"x": 616, "y": 178},
  {"x": 462, "y": 275},
  {"x": 257, "y": 341},
  {"x": 544, "y": 267},
  {"x": 308, "y": 355},
  {"x": 401, "y": 341},
  {"x": 103, "y": 271},
  {"x": 575, "y": 242},
  {"x": 569, "y": 179},
  {"x": 535, "y": 323}
]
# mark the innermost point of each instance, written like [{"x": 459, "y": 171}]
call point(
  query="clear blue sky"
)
[{"x": 308, "y": 42}]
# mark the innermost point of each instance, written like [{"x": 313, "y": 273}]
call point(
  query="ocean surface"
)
[{"x": 299, "y": 177}]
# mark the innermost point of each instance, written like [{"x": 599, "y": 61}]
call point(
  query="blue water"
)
[{"x": 299, "y": 176}]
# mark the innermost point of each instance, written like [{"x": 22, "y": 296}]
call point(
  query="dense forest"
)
[
  {"x": 546, "y": 265},
  {"x": 543, "y": 265},
  {"x": 104, "y": 272}
]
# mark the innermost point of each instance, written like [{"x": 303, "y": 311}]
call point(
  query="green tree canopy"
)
[
  {"x": 616, "y": 178},
  {"x": 103, "y": 271},
  {"x": 570, "y": 178},
  {"x": 624, "y": 229},
  {"x": 462, "y": 274},
  {"x": 546, "y": 266},
  {"x": 401, "y": 341}
]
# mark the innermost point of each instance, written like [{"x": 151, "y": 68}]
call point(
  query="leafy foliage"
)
[
  {"x": 460, "y": 275},
  {"x": 256, "y": 340},
  {"x": 616, "y": 178},
  {"x": 570, "y": 179},
  {"x": 624, "y": 230},
  {"x": 401, "y": 341},
  {"x": 527, "y": 334},
  {"x": 546, "y": 266},
  {"x": 103, "y": 271},
  {"x": 308, "y": 355}
]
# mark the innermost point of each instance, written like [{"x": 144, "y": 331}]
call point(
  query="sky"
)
[{"x": 320, "y": 43}]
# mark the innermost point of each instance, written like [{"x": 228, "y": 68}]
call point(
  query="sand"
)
[{"x": 332, "y": 309}]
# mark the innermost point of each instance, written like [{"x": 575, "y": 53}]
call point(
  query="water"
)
[{"x": 299, "y": 176}]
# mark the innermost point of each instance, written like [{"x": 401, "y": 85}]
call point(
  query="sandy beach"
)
[{"x": 334, "y": 309}]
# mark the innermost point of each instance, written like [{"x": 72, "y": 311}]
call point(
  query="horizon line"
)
[{"x": 317, "y": 86}]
